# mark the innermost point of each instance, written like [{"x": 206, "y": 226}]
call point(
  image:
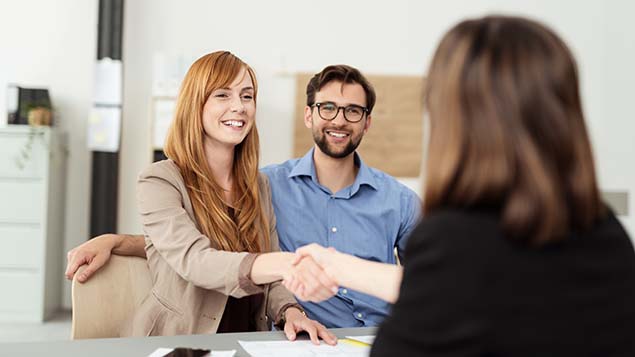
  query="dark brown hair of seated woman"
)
[{"x": 507, "y": 129}]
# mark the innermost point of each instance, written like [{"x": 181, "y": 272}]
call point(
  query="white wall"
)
[
  {"x": 613, "y": 124},
  {"x": 53, "y": 44}
]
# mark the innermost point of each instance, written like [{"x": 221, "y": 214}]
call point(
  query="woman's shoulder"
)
[
  {"x": 607, "y": 233},
  {"x": 164, "y": 170},
  {"x": 263, "y": 183},
  {"x": 263, "y": 179},
  {"x": 460, "y": 231},
  {"x": 456, "y": 220}
]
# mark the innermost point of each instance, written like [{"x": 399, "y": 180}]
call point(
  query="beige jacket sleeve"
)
[
  {"x": 279, "y": 297},
  {"x": 175, "y": 236}
]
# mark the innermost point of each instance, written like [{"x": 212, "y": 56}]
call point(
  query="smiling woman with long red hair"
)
[
  {"x": 186, "y": 146},
  {"x": 209, "y": 225}
]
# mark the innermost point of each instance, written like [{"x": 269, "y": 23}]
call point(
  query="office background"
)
[{"x": 53, "y": 44}]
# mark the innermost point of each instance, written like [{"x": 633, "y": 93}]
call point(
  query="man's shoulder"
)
[
  {"x": 389, "y": 182},
  {"x": 283, "y": 169}
]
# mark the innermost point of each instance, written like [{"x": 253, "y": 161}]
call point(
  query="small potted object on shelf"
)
[{"x": 29, "y": 106}]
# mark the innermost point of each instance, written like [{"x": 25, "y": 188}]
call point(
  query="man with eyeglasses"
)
[{"x": 329, "y": 197}]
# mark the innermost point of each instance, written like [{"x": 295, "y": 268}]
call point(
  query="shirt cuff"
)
[{"x": 244, "y": 275}]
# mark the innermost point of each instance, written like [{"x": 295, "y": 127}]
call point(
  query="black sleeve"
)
[{"x": 437, "y": 313}]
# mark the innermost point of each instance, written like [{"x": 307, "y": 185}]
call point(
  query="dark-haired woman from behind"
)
[{"x": 517, "y": 255}]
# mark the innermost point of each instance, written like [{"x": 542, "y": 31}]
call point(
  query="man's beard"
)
[{"x": 328, "y": 150}]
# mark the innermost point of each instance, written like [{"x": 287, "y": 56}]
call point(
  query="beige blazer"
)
[{"x": 192, "y": 279}]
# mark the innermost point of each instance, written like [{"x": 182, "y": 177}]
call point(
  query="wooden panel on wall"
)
[{"x": 393, "y": 143}]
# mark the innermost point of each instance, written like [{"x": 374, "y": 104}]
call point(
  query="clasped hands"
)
[{"x": 313, "y": 275}]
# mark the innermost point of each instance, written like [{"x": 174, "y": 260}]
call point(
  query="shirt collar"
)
[
  {"x": 364, "y": 176},
  {"x": 306, "y": 167}
]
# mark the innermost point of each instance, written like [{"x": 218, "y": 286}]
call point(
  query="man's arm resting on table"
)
[{"x": 96, "y": 252}]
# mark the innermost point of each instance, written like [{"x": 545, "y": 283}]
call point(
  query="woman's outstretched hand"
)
[{"x": 313, "y": 275}]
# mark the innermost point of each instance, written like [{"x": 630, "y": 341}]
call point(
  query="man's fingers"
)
[
  {"x": 73, "y": 265},
  {"x": 95, "y": 264},
  {"x": 86, "y": 273},
  {"x": 70, "y": 270}
]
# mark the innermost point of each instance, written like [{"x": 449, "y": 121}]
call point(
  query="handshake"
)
[{"x": 315, "y": 273}]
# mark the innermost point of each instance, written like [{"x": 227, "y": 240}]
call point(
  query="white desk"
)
[{"x": 139, "y": 347}]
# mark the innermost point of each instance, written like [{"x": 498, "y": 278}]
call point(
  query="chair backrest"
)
[{"x": 103, "y": 303}]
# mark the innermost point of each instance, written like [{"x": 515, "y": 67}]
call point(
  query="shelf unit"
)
[{"x": 32, "y": 167}]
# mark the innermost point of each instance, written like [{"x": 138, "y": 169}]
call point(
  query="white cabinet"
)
[{"x": 32, "y": 166}]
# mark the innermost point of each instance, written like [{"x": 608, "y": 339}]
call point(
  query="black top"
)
[
  {"x": 468, "y": 290},
  {"x": 240, "y": 314}
]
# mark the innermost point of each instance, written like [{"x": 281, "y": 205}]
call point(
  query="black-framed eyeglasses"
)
[{"x": 352, "y": 113}]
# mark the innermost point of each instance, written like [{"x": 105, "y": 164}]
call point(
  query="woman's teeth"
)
[{"x": 235, "y": 123}]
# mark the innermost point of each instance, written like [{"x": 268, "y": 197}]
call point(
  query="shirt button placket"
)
[{"x": 330, "y": 220}]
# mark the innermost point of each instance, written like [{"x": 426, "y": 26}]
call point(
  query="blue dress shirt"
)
[{"x": 367, "y": 219}]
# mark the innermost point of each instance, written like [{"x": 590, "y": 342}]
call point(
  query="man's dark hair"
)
[{"x": 341, "y": 73}]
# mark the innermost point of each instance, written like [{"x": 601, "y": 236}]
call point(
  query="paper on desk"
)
[
  {"x": 223, "y": 353},
  {"x": 160, "y": 352},
  {"x": 365, "y": 339},
  {"x": 302, "y": 349}
]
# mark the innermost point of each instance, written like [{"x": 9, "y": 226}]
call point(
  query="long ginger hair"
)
[{"x": 247, "y": 229}]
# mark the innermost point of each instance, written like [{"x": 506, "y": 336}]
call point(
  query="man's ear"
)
[
  {"x": 308, "y": 117},
  {"x": 369, "y": 119}
]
